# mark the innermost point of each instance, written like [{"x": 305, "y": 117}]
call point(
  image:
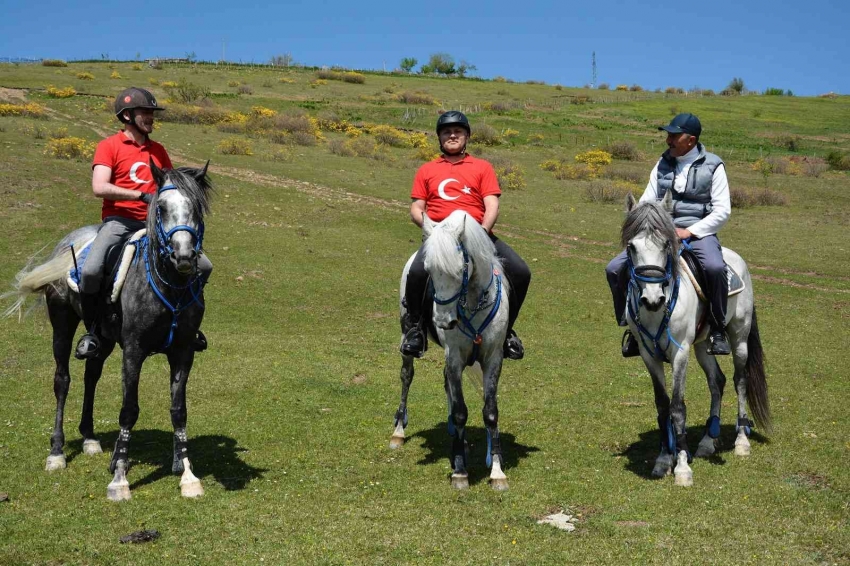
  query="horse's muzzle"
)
[
  {"x": 185, "y": 264},
  {"x": 652, "y": 305}
]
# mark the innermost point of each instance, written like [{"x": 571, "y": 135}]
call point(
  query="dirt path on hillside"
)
[{"x": 563, "y": 245}]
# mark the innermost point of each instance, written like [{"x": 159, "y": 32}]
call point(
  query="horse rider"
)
[
  {"x": 701, "y": 207},
  {"x": 121, "y": 176},
  {"x": 454, "y": 181}
]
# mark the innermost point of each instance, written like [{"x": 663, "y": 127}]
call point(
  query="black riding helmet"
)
[
  {"x": 133, "y": 98},
  {"x": 453, "y": 118}
]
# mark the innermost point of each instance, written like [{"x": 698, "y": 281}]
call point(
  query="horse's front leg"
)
[
  {"x": 492, "y": 371},
  {"x": 181, "y": 365},
  {"x": 664, "y": 461},
  {"x": 94, "y": 369},
  {"x": 716, "y": 383},
  {"x": 682, "y": 474},
  {"x": 400, "y": 423},
  {"x": 457, "y": 421},
  {"x": 119, "y": 488}
]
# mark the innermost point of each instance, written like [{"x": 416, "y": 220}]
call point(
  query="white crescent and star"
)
[
  {"x": 135, "y": 169},
  {"x": 442, "y": 190}
]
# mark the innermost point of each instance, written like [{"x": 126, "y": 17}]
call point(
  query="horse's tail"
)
[
  {"x": 756, "y": 378},
  {"x": 31, "y": 280}
]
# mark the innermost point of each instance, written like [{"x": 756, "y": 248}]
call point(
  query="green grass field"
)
[{"x": 291, "y": 409}]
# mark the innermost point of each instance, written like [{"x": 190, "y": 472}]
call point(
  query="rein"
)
[
  {"x": 192, "y": 289},
  {"x": 643, "y": 273},
  {"x": 465, "y": 315}
]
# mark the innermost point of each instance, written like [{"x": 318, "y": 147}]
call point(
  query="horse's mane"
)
[
  {"x": 197, "y": 191},
  {"x": 653, "y": 218},
  {"x": 441, "y": 247}
]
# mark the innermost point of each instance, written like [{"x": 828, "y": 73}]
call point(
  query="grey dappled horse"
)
[
  {"x": 470, "y": 316},
  {"x": 667, "y": 317},
  {"x": 159, "y": 310}
]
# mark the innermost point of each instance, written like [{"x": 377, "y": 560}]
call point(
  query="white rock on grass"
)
[{"x": 559, "y": 520}]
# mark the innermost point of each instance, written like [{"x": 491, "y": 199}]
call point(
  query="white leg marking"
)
[
  {"x": 683, "y": 475},
  {"x": 742, "y": 444},
  {"x": 119, "y": 487},
  {"x": 498, "y": 479},
  {"x": 92, "y": 447},
  {"x": 190, "y": 486},
  {"x": 55, "y": 463}
]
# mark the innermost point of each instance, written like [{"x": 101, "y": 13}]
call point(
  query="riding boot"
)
[
  {"x": 513, "y": 349},
  {"x": 629, "y": 346},
  {"x": 414, "y": 340},
  {"x": 718, "y": 344},
  {"x": 199, "y": 344},
  {"x": 89, "y": 344}
]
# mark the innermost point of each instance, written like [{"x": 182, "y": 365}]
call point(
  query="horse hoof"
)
[
  {"x": 191, "y": 489},
  {"x": 396, "y": 442},
  {"x": 661, "y": 471},
  {"x": 742, "y": 449},
  {"x": 55, "y": 463},
  {"x": 118, "y": 491},
  {"x": 499, "y": 484},
  {"x": 92, "y": 447},
  {"x": 705, "y": 449},
  {"x": 684, "y": 479},
  {"x": 460, "y": 481}
]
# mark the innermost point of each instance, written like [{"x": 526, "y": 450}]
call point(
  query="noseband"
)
[{"x": 653, "y": 274}]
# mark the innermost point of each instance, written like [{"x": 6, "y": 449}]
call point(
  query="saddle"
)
[
  {"x": 117, "y": 264},
  {"x": 690, "y": 266}
]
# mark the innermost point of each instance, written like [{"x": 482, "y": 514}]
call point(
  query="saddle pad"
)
[
  {"x": 736, "y": 284},
  {"x": 121, "y": 269}
]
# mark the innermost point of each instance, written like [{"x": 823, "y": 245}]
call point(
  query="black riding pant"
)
[{"x": 516, "y": 270}]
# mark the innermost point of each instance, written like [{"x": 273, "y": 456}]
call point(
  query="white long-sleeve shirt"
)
[{"x": 721, "y": 204}]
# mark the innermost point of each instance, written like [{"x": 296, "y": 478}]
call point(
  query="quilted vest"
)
[{"x": 694, "y": 204}]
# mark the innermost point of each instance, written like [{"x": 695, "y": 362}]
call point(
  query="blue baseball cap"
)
[{"x": 683, "y": 124}]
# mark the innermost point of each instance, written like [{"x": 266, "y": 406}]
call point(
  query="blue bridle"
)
[
  {"x": 464, "y": 315},
  {"x": 639, "y": 274},
  {"x": 192, "y": 288}
]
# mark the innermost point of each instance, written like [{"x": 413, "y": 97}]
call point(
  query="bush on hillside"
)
[
  {"x": 838, "y": 161},
  {"x": 417, "y": 97},
  {"x": 608, "y": 191},
  {"x": 485, "y": 134},
  {"x": 622, "y": 88},
  {"x": 30, "y": 110},
  {"x": 70, "y": 148},
  {"x": 623, "y": 149},
  {"x": 509, "y": 173},
  {"x": 745, "y": 198},
  {"x": 53, "y": 63},
  {"x": 66, "y": 92},
  {"x": 185, "y": 92},
  {"x": 85, "y": 76},
  {"x": 603, "y": 86},
  {"x": 235, "y": 146}
]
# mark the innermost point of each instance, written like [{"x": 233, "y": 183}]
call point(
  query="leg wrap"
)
[
  {"x": 712, "y": 427},
  {"x": 122, "y": 449}
]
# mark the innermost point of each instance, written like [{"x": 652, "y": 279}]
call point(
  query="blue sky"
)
[{"x": 801, "y": 46}]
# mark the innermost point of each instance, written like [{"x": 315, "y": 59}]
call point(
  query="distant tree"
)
[
  {"x": 737, "y": 85},
  {"x": 284, "y": 60},
  {"x": 441, "y": 63},
  {"x": 191, "y": 57},
  {"x": 465, "y": 67},
  {"x": 408, "y": 63}
]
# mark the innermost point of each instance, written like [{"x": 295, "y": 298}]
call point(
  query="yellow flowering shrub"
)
[
  {"x": 286, "y": 80},
  {"x": 137, "y": 67},
  {"x": 30, "y": 109},
  {"x": 115, "y": 75},
  {"x": 66, "y": 92},
  {"x": 153, "y": 82},
  {"x": 535, "y": 139},
  {"x": 509, "y": 133},
  {"x": 85, "y": 76},
  {"x": 169, "y": 84},
  {"x": 595, "y": 157},
  {"x": 426, "y": 153},
  {"x": 235, "y": 146},
  {"x": 262, "y": 112},
  {"x": 70, "y": 148},
  {"x": 233, "y": 83}
]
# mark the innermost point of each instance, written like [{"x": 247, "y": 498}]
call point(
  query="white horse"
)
[
  {"x": 667, "y": 317},
  {"x": 470, "y": 319}
]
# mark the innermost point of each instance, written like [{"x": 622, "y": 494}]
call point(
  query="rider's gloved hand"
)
[{"x": 147, "y": 198}]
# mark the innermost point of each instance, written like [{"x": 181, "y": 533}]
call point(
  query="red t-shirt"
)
[
  {"x": 446, "y": 187},
  {"x": 130, "y": 164}
]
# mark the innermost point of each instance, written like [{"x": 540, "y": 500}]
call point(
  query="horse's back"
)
[
  {"x": 737, "y": 263},
  {"x": 77, "y": 238}
]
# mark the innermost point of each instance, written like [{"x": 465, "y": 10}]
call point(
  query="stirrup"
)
[
  {"x": 413, "y": 343},
  {"x": 513, "y": 348},
  {"x": 629, "y": 346},
  {"x": 199, "y": 344},
  {"x": 88, "y": 347},
  {"x": 718, "y": 345}
]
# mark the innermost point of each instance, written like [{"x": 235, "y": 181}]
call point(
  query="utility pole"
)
[
  {"x": 223, "y": 47},
  {"x": 593, "y": 82}
]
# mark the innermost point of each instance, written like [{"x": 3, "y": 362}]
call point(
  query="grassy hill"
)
[{"x": 290, "y": 411}]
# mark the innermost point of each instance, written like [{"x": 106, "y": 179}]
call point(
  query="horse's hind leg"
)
[
  {"x": 498, "y": 479},
  {"x": 458, "y": 415},
  {"x": 94, "y": 369},
  {"x": 400, "y": 423},
  {"x": 181, "y": 365},
  {"x": 740, "y": 353},
  {"x": 64, "y": 321},
  {"x": 716, "y": 384}
]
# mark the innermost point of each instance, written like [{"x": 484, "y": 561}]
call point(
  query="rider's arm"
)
[
  {"x": 491, "y": 212},
  {"x": 721, "y": 206},
  {"x": 102, "y": 188},
  {"x": 651, "y": 192},
  {"x": 417, "y": 208}
]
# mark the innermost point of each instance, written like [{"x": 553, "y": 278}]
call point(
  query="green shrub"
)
[
  {"x": 838, "y": 161},
  {"x": 608, "y": 191},
  {"x": 245, "y": 89},
  {"x": 304, "y": 138},
  {"x": 636, "y": 88},
  {"x": 624, "y": 150},
  {"x": 185, "y": 92},
  {"x": 510, "y": 175},
  {"x": 341, "y": 147},
  {"x": 744, "y": 198},
  {"x": 774, "y": 92},
  {"x": 84, "y": 76},
  {"x": 603, "y": 86},
  {"x": 418, "y": 97},
  {"x": 53, "y": 63},
  {"x": 485, "y": 134}
]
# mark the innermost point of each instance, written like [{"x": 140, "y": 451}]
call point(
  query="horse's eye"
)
[{"x": 631, "y": 247}]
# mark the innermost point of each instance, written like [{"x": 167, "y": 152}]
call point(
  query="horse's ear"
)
[
  {"x": 667, "y": 201},
  {"x": 158, "y": 174},
  {"x": 201, "y": 173},
  {"x": 630, "y": 202},
  {"x": 427, "y": 225}
]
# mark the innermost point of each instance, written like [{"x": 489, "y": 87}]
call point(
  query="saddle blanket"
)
[
  {"x": 122, "y": 266},
  {"x": 736, "y": 284}
]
